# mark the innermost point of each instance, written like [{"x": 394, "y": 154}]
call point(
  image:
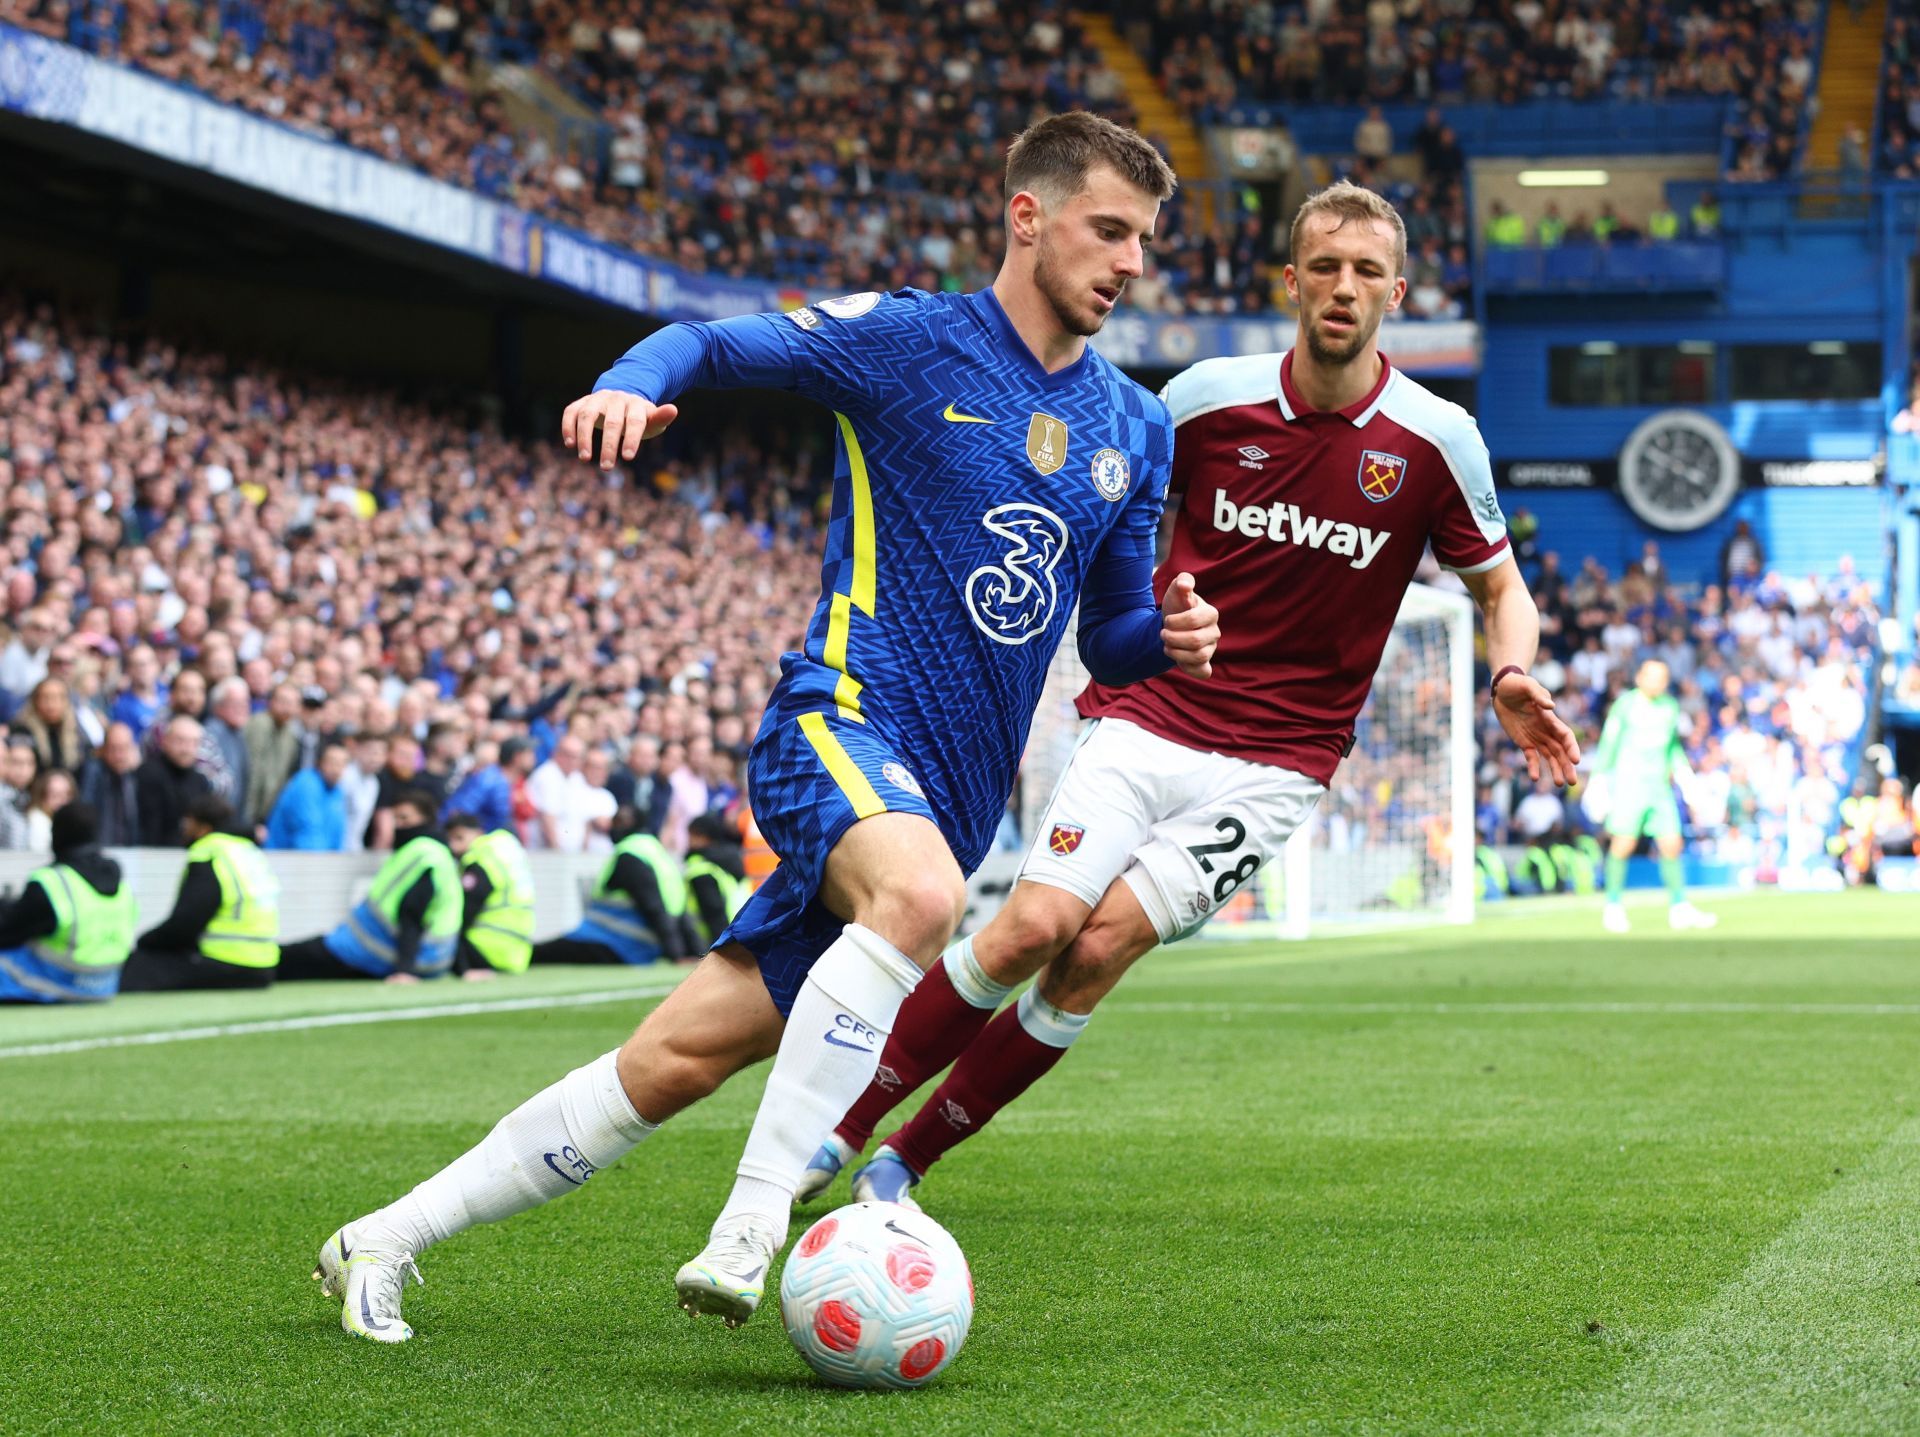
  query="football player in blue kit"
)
[{"x": 992, "y": 472}]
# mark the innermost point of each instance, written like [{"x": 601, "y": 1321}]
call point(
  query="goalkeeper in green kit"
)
[{"x": 1639, "y": 757}]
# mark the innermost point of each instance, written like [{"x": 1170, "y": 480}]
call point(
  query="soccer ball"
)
[{"x": 876, "y": 1295}]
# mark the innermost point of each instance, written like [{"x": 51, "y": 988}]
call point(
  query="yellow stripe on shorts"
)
[{"x": 853, "y": 783}]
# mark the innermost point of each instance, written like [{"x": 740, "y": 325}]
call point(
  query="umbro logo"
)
[
  {"x": 954, "y": 416},
  {"x": 955, "y": 1115},
  {"x": 1251, "y": 456}
]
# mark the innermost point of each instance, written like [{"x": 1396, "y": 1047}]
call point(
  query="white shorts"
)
[{"x": 1182, "y": 827}]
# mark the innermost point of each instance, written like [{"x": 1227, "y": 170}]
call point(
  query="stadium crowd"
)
[
  {"x": 1898, "y": 143},
  {"x": 1769, "y": 672},
  {"x": 875, "y": 162},
  {"x": 1231, "y": 52},
  {"x": 308, "y": 599},
  {"x": 217, "y": 577},
  {"x": 841, "y": 146}
]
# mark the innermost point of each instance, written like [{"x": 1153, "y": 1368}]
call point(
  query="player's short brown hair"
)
[
  {"x": 1052, "y": 159},
  {"x": 1347, "y": 201}
]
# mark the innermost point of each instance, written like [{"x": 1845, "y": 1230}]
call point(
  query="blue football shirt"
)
[{"x": 977, "y": 499}]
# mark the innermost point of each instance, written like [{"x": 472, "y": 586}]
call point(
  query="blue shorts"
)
[{"x": 811, "y": 778}]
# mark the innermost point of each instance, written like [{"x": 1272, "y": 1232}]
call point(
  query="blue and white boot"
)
[
  {"x": 887, "y": 1178},
  {"x": 823, "y": 1167}
]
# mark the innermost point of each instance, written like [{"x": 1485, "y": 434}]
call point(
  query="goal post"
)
[{"x": 1392, "y": 840}]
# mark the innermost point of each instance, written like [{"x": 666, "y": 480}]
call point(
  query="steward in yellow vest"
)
[
  {"x": 716, "y": 883},
  {"x": 407, "y": 926},
  {"x": 496, "y": 917},
  {"x": 67, "y": 935},
  {"x": 637, "y": 910},
  {"x": 1505, "y": 229},
  {"x": 224, "y": 930}
]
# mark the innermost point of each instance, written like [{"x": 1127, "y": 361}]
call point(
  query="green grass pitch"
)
[{"x": 1513, "y": 1178}]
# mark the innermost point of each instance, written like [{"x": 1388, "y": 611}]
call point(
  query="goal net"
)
[{"x": 1392, "y": 841}]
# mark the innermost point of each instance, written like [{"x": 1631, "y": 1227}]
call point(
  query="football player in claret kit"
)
[
  {"x": 1311, "y": 483},
  {"x": 992, "y": 473}
]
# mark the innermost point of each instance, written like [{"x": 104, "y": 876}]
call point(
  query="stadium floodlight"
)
[{"x": 1562, "y": 179}]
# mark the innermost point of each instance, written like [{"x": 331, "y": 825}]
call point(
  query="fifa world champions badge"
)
[{"x": 1046, "y": 443}]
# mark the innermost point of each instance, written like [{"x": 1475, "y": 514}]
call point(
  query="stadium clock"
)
[{"x": 1679, "y": 470}]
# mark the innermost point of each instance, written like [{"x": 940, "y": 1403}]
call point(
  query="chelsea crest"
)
[{"x": 1110, "y": 473}]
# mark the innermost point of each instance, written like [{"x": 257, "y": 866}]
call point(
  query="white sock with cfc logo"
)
[
  {"x": 828, "y": 1054},
  {"x": 549, "y": 1145}
]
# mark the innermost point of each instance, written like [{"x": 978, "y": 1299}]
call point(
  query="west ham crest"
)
[
  {"x": 1066, "y": 837},
  {"x": 1381, "y": 474}
]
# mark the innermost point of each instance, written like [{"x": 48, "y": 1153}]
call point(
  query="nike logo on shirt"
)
[{"x": 954, "y": 416}]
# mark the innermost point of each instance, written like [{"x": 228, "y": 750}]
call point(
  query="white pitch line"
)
[
  {"x": 331, "y": 1020},
  {"x": 1855, "y": 1010}
]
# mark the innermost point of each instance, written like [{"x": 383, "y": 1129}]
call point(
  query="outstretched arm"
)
[
  {"x": 633, "y": 400},
  {"x": 838, "y": 353},
  {"x": 1524, "y": 708}
]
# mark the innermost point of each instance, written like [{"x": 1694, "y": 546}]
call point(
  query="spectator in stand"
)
[
  {"x": 397, "y": 778},
  {"x": 562, "y": 801},
  {"x": 446, "y": 746},
  {"x": 109, "y": 784},
  {"x": 273, "y": 749},
  {"x": 1373, "y": 136},
  {"x": 596, "y": 768},
  {"x": 48, "y": 721},
  {"x": 226, "y": 732},
  {"x": 52, "y": 791},
  {"x": 686, "y": 766},
  {"x": 143, "y": 699},
  {"x": 18, "y": 768},
  {"x": 361, "y": 784},
  {"x": 169, "y": 781},
  {"x": 83, "y": 672},
  {"x": 311, "y": 814},
  {"x": 1540, "y": 812},
  {"x": 23, "y": 663},
  {"x": 186, "y": 697},
  {"x": 634, "y": 783},
  {"x": 487, "y": 792},
  {"x": 1741, "y": 554}
]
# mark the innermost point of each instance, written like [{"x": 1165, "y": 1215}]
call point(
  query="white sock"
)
[
  {"x": 970, "y": 980},
  {"x": 1055, "y": 1027},
  {"x": 828, "y": 1054},
  {"x": 549, "y": 1145}
]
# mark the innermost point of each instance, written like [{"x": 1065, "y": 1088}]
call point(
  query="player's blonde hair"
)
[
  {"x": 1051, "y": 160},
  {"x": 1345, "y": 200}
]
